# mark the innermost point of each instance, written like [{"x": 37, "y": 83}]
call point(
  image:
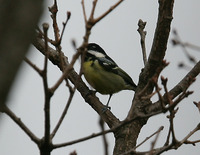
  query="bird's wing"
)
[
  {"x": 126, "y": 78},
  {"x": 109, "y": 65}
]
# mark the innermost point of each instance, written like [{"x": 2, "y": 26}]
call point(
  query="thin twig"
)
[
  {"x": 108, "y": 11},
  {"x": 64, "y": 113},
  {"x": 167, "y": 147},
  {"x": 168, "y": 97},
  {"x": 64, "y": 25},
  {"x": 45, "y": 28},
  {"x": 171, "y": 120},
  {"x": 41, "y": 34},
  {"x": 55, "y": 146},
  {"x": 105, "y": 142},
  {"x": 19, "y": 122},
  {"x": 154, "y": 143},
  {"x": 54, "y": 10},
  {"x": 197, "y": 104},
  {"x": 161, "y": 100},
  {"x": 141, "y": 26},
  {"x": 192, "y": 46},
  {"x": 93, "y": 9},
  {"x": 100, "y": 133},
  {"x": 178, "y": 41},
  {"x": 66, "y": 72},
  {"x": 57, "y": 43},
  {"x": 84, "y": 12},
  {"x": 46, "y": 90},
  {"x": 178, "y": 89},
  {"x": 168, "y": 137},
  {"x": 37, "y": 69},
  {"x": 184, "y": 140},
  {"x": 192, "y": 142},
  {"x": 147, "y": 138},
  {"x": 177, "y": 144}
]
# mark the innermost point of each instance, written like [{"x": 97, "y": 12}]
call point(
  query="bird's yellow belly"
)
[{"x": 103, "y": 81}]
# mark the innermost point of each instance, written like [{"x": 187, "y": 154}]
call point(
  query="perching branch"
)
[{"x": 89, "y": 97}]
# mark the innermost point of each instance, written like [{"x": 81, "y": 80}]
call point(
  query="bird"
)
[{"x": 103, "y": 74}]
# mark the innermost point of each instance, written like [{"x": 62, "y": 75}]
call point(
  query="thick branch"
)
[
  {"x": 157, "y": 53},
  {"x": 152, "y": 67}
]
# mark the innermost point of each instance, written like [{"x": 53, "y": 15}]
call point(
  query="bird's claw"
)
[{"x": 105, "y": 108}]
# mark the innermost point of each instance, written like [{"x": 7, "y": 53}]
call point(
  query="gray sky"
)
[{"x": 118, "y": 36}]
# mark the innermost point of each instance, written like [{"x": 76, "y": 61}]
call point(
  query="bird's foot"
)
[{"x": 105, "y": 108}]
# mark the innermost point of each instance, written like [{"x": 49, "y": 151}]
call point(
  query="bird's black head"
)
[
  {"x": 94, "y": 52},
  {"x": 96, "y": 48}
]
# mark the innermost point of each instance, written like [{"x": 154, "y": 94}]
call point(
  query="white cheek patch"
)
[{"x": 96, "y": 54}]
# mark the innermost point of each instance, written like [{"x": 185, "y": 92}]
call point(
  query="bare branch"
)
[
  {"x": 176, "y": 144},
  {"x": 55, "y": 146},
  {"x": 84, "y": 12},
  {"x": 154, "y": 143},
  {"x": 18, "y": 121},
  {"x": 192, "y": 142},
  {"x": 54, "y": 10},
  {"x": 72, "y": 91},
  {"x": 159, "y": 46},
  {"x": 147, "y": 138},
  {"x": 39, "y": 71},
  {"x": 93, "y": 9},
  {"x": 141, "y": 26},
  {"x": 197, "y": 105},
  {"x": 66, "y": 71},
  {"x": 192, "y": 46},
  {"x": 45, "y": 29},
  {"x": 64, "y": 25},
  {"x": 179, "y": 88},
  {"x": 184, "y": 140},
  {"x": 48, "y": 94},
  {"x": 108, "y": 11},
  {"x": 178, "y": 41},
  {"x": 105, "y": 142}
]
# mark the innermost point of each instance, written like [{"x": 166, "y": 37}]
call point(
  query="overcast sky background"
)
[{"x": 118, "y": 36}]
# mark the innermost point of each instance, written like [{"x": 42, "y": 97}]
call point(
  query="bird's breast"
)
[{"x": 103, "y": 81}]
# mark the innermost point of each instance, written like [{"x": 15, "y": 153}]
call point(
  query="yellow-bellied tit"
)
[{"x": 103, "y": 74}]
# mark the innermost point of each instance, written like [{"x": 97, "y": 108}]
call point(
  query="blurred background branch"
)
[{"x": 18, "y": 21}]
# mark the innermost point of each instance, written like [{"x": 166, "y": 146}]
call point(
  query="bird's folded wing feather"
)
[{"x": 111, "y": 66}]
